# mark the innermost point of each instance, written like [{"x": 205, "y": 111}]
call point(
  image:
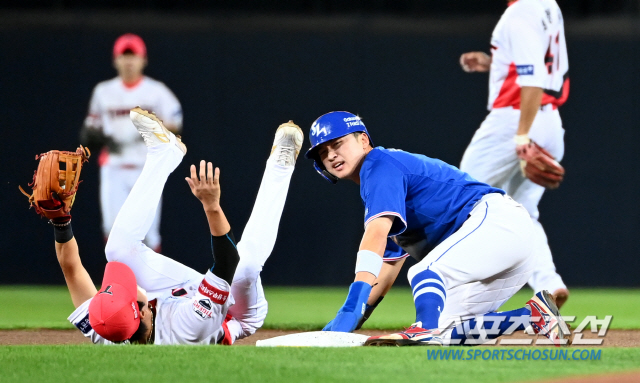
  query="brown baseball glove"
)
[
  {"x": 539, "y": 166},
  {"x": 56, "y": 181}
]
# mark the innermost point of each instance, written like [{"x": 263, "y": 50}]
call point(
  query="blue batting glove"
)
[{"x": 352, "y": 310}]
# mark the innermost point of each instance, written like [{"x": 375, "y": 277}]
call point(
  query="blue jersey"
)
[{"x": 429, "y": 198}]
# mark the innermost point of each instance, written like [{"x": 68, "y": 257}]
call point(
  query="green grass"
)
[
  {"x": 302, "y": 309},
  {"x": 35, "y": 307},
  {"x": 310, "y": 308},
  {"x": 44, "y": 364}
]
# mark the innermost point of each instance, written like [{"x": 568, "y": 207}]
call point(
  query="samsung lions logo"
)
[{"x": 315, "y": 129}]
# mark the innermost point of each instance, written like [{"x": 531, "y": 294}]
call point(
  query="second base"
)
[{"x": 315, "y": 339}]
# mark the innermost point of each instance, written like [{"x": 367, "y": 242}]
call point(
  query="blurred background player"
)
[
  {"x": 529, "y": 80},
  {"x": 109, "y": 128}
]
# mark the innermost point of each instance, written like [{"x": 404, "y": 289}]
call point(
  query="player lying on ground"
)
[
  {"x": 175, "y": 304},
  {"x": 472, "y": 241}
]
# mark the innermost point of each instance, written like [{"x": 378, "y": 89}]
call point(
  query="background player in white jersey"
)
[
  {"x": 180, "y": 305},
  {"x": 528, "y": 82},
  {"x": 108, "y": 127}
]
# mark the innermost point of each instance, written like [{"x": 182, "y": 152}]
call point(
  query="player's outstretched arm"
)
[
  {"x": 206, "y": 188},
  {"x": 368, "y": 266},
  {"x": 79, "y": 282},
  {"x": 382, "y": 285},
  {"x": 475, "y": 62}
]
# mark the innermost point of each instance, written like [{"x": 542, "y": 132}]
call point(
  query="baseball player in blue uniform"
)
[{"x": 473, "y": 243}]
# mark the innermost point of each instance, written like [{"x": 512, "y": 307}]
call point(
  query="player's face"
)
[
  {"x": 343, "y": 156},
  {"x": 130, "y": 66}
]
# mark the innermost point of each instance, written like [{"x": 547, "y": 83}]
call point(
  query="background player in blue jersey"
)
[{"x": 473, "y": 242}]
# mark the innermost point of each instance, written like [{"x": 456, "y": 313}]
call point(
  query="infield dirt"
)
[{"x": 614, "y": 338}]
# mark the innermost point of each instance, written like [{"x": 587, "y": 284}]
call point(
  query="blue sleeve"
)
[
  {"x": 384, "y": 190},
  {"x": 393, "y": 252}
]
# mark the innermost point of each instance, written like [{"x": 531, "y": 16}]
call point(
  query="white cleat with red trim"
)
[
  {"x": 546, "y": 319},
  {"x": 412, "y": 336}
]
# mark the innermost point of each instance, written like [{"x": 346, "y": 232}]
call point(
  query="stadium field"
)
[{"x": 301, "y": 309}]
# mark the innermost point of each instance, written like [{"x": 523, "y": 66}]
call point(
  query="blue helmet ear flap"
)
[{"x": 325, "y": 173}]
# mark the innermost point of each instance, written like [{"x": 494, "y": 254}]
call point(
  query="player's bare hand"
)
[
  {"x": 205, "y": 185},
  {"x": 475, "y": 62}
]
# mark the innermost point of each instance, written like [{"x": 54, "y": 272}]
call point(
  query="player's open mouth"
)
[{"x": 338, "y": 166}]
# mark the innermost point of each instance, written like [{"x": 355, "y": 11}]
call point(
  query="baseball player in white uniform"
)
[
  {"x": 108, "y": 127},
  {"x": 528, "y": 81},
  {"x": 148, "y": 298}
]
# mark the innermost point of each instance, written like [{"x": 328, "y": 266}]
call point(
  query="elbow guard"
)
[{"x": 225, "y": 256}]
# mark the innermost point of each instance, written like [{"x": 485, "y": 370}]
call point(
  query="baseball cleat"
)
[
  {"x": 412, "y": 336},
  {"x": 561, "y": 296},
  {"x": 546, "y": 319},
  {"x": 152, "y": 130},
  {"x": 287, "y": 144}
]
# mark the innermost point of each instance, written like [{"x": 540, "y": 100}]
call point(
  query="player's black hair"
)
[{"x": 142, "y": 329}]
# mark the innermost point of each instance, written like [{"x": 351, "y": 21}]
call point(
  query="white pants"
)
[
  {"x": 116, "y": 182},
  {"x": 158, "y": 274},
  {"x": 485, "y": 262},
  {"x": 491, "y": 158}
]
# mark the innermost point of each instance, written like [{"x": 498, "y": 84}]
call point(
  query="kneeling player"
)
[
  {"x": 172, "y": 303},
  {"x": 472, "y": 241}
]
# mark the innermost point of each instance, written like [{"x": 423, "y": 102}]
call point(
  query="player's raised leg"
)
[
  {"x": 153, "y": 271},
  {"x": 260, "y": 233}
]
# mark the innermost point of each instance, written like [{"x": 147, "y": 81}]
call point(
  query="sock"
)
[
  {"x": 506, "y": 320},
  {"x": 429, "y": 296},
  {"x": 225, "y": 256},
  {"x": 62, "y": 229}
]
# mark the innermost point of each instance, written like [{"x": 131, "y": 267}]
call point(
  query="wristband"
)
[
  {"x": 522, "y": 139},
  {"x": 369, "y": 261},
  {"x": 62, "y": 229}
]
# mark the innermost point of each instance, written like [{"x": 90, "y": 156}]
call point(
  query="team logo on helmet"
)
[{"x": 315, "y": 129}]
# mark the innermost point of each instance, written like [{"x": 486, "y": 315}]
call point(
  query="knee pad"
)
[{"x": 118, "y": 248}]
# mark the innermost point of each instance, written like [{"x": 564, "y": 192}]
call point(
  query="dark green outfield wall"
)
[{"x": 238, "y": 79}]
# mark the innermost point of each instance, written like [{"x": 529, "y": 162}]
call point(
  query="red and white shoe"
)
[
  {"x": 546, "y": 319},
  {"x": 412, "y": 336}
]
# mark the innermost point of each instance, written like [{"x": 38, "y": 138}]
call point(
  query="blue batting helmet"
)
[{"x": 328, "y": 127}]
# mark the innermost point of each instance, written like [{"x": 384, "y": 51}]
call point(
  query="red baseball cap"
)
[
  {"x": 130, "y": 42},
  {"x": 113, "y": 311}
]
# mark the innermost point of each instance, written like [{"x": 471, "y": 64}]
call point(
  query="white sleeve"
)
[
  {"x": 203, "y": 316},
  {"x": 80, "y": 319},
  {"x": 94, "y": 115},
  {"x": 170, "y": 110},
  {"x": 529, "y": 44}
]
